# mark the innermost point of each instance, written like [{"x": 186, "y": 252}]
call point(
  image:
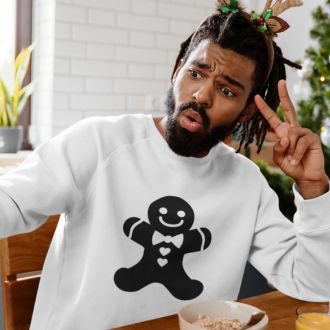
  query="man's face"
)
[{"x": 208, "y": 97}]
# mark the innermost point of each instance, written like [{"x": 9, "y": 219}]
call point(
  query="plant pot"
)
[{"x": 11, "y": 139}]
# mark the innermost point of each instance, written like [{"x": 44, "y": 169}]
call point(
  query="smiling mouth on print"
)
[{"x": 171, "y": 225}]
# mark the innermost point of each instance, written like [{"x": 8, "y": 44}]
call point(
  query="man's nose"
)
[{"x": 204, "y": 96}]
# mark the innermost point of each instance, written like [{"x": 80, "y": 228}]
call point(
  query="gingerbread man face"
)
[{"x": 171, "y": 215}]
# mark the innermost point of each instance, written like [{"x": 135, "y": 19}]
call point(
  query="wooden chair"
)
[{"x": 20, "y": 256}]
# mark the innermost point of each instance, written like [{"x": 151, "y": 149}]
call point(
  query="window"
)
[{"x": 23, "y": 39}]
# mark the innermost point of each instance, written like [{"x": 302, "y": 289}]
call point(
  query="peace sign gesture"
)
[{"x": 297, "y": 150}]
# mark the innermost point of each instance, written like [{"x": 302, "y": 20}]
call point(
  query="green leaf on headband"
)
[
  {"x": 254, "y": 16},
  {"x": 232, "y": 7},
  {"x": 224, "y": 8},
  {"x": 267, "y": 14},
  {"x": 234, "y": 4},
  {"x": 263, "y": 28}
]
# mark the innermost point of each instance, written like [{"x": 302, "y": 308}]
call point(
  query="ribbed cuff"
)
[{"x": 312, "y": 214}]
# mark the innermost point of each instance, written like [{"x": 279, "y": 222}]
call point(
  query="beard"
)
[{"x": 185, "y": 143}]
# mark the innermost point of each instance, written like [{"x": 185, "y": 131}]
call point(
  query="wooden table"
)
[{"x": 279, "y": 308}]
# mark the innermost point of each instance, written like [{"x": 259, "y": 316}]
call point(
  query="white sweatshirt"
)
[{"x": 144, "y": 231}]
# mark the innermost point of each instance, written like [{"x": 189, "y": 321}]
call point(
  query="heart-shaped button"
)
[
  {"x": 164, "y": 251},
  {"x": 162, "y": 262}
]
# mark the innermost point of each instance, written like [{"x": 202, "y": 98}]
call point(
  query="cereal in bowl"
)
[{"x": 218, "y": 323}]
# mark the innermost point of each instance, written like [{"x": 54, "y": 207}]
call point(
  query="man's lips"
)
[{"x": 191, "y": 121}]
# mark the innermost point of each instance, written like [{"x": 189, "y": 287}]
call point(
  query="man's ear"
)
[
  {"x": 177, "y": 70},
  {"x": 248, "y": 112}
]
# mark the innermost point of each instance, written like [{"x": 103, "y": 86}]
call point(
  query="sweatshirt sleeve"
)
[
  {"x": 294, "y": 257},
  {"x": 50, "y": 181}
]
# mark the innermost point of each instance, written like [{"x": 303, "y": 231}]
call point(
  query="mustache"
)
[{"x": 199, "y": 109}]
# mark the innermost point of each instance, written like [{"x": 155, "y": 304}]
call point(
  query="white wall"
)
[
  {"x": 43, "y": 70},
  {"x": 7, "y": 40},
  {"x": 113, "y": 57},
  {"x": 296, "y": 39}
]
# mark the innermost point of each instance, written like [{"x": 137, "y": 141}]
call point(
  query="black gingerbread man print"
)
[{"x": 166, "y": 239}]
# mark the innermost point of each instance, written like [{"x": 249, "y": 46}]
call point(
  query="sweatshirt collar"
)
[{"x": 161, "y": 142}]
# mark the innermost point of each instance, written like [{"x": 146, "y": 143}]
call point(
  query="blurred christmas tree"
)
[
  {"x": 314, "y": 110},
  {"x": 313, "y": 91}
]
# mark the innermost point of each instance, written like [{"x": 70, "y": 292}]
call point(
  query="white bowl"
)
[{"x": 219, "y": 308}]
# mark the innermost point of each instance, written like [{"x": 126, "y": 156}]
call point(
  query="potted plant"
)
[{"x": 12, "y": 103}]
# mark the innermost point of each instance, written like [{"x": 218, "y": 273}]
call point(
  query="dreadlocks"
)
[{"x": 235, "y": 32}]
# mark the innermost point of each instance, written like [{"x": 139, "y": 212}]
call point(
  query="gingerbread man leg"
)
[
  {"x": 183, "y": 287},
  {"x": 132, "y": 279}
]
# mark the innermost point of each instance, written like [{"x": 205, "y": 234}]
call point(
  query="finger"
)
[
  {"x": 280, "y": 150},
  {"x": 303, "y": 144},
  {"x": 294, "y": 134},
  {"x": 288, "y": 108},
  {"x": 293, "y": 138},
  {"x": 271, "y": 117}
]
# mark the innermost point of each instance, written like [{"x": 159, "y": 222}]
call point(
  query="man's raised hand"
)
[{"x": 297, "y": 150}]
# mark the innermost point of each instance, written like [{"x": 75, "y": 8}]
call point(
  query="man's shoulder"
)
[
  {"x": 125, "y": 121},
  {"x": 128, "y": 126},
  {"x": 102, "y": 135}
]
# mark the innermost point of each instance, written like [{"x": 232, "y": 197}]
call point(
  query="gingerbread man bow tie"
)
[{"x": 177, "y": 240}]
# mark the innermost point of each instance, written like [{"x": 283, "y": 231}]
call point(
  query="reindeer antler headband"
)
[{"x": 268, "y": 23}]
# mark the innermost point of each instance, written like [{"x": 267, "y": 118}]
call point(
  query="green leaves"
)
[
  {"x": 261, "y": 21},
  {"x": 268, "y": 13},
  {"x": 12, "y": 103},
  {"x": 254, "y": 16},
  {"x": 232, "y": 7},
  {"x": 5, "y": 106}
]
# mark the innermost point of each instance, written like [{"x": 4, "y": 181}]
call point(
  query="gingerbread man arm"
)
[
  {"x": 197, "y": 240},
  {"x": 138, "y": 230}
]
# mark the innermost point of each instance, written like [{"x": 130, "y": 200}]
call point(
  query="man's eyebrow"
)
[
  {"x": 231, "y": 80},
  {"x": 202, "y": 65}
]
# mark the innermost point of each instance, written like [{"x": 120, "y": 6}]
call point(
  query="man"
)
[{"x": 158, "y": 211}]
